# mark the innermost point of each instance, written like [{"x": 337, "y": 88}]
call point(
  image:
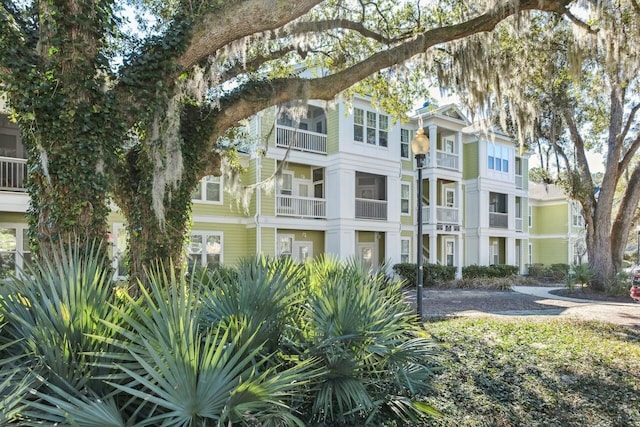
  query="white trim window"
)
[
  {"x": 204, "y": 248},
  {"x": 576, "y": 215},
  {"x": 405, "y": 199},
  {"x": 14, "y": 249},
  {"x": 405, "y": 250},
  {"x": 285, "y": 245},
  {"x": 530, "y": 216},
  {"x": 405, "y": 139},
  {"x": 374, "y": 125},
  {"x": 530, "y": 247},
  {"x": 209, "y": 190},
  {"x": 498, "y": 157}
]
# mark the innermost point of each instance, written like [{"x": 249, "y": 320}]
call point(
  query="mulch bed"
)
[{"x": 590, "y": 294}]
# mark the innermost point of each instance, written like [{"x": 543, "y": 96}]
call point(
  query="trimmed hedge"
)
[
  {"x": 553, "y": 272},
  {"x": 432, "y": 273},
  {"x": 479, "y": 271}
]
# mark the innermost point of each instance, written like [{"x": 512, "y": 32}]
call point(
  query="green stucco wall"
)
[
  {"x": 549, "y": 250},
  {"x": 268, "y": 241},
  {"x": 316, "y": 237},
  {"x": 470, "y": 167},
  {"x": 333, "y": 121},
  {"x": 550, "y": 219}
]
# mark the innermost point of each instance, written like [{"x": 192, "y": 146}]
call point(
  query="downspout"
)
[{"x": 258, "y": 191}]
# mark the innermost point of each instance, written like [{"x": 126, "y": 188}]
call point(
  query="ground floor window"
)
[
  {"x": 204, "y": 249},
  {"x": 405, "y": 251},
  {"x": 14, "y": 249}
]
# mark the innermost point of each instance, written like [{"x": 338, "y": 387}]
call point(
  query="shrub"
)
[
  {"x": 476, "y": 271},
  {"x": 559, "y": 271},
  {"x": 432, "y": 274}
]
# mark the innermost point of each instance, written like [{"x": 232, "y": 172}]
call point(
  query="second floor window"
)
[
  {"x": 405, "y": 198},
  {"x": 370, "y": 127},
  {"x": 498, "y": 158},
  {"x": 209, "y": 190},
  {"x": 577, "y": 217},
  {"x": 404, "y": 143}
]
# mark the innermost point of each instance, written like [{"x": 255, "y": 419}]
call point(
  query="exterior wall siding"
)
[
  {"x": 470, "y": 159},
  {"x": 550, "y": 250},
  {"x": 549, "y": 220}
]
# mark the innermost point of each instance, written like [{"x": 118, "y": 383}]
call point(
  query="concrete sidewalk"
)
[{"x": 545, "y": 292}]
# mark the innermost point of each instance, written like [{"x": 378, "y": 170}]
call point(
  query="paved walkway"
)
[
  {"x": 613, "y": 312},
  {"x": 529, "y": 301}
]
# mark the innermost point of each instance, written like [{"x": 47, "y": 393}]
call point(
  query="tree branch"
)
[
  {"x": 635, "y": 145},
  {"x": 240, "y": 19},
  {"x": 580, "y": 23},
  {"x": 258, "y": 96},
  {"x": 333, "y": 24}
]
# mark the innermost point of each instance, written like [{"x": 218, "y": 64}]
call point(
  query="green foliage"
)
[
  {"x": 554, "y": 272},
  {"x": 433, "y": 274},
  {"x": 498, "y": 372},
  {"x": 477, "y": 271},
  {"x": 271, "y": 342}
]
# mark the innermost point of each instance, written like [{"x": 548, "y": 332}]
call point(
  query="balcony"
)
[
  {"x": 13, "y": 174},
  {"x": 371, "y": 209},
  {"x": 519, "y": 181},
  {"x": 448, "y": 219},
  {"x": 448, "y": 215},
  {"x": 301, "y": 207},
  {"x": 301, "y": 140},
  {"x": 447, "y": 160},
  {"x": 498, "y": 220}
]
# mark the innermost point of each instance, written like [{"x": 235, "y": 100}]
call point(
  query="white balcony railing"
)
[
  {"x": 498, "y": 220},
  {"x": 518, "y": 224},
  {"x": 300, "y": 139},
  {"x": 13, "y": 174},
  {"x": 371, "y": 209},
  {"x": 302, "y": 207},
  {"x": 448, "y": 215},
  {"x": 426, "y": 214},
  {"x": 447, "y": 160},
  {"x": 519, "y": 181}
]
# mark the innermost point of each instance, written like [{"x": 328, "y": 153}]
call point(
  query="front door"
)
[
  {"x": 368, "y": 254},
  {"x": 302, "y": 251}
]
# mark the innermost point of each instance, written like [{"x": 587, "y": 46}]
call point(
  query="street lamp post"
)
[{"x": 420, "y": 147}]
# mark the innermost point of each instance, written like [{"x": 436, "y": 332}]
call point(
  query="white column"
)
[
  {"x": 392, "y": 248},
  {"x": 433, "y": 199},
  {"x": 340, "y": 241},
  {"x": 433, "y": 138},
  {"x": 459, "y": 149},
  {"x": 511, "y": 208},
  {"x": 393, "y": 198},
  {"x": 459, "y": 256},
  {"x": 433, "y": 248},
  {"x": 459, "y": 201},
  {"x": 510, "y": 251},
  {"x": 483, "y": 250}
]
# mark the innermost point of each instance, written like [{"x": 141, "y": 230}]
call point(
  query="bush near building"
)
[{"x": 433, "y": 274}]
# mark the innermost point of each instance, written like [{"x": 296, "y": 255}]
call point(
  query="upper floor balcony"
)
[
  {"x": 301, "y": 207},
  {"x": 447, "y": 218},
  {"x": 498, "y": 220},
  {"x": 301, "y": 140},
  {"x": 302, "y": 131},
  {"x": 371, "y": 196},
  {"x": 13, "y": 174},
  {"x": 519, "y": 181},
  {"x": 447, "y": 160}
]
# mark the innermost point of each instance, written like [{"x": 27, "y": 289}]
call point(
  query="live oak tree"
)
[
  {"x": 139, "y": 115},
  {"x": 570, "y": 86}
]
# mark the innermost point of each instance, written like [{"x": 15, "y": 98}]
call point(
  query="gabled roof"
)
[
  {"x": 539, "y": 191},
  {"x": 446, "y": 111}
]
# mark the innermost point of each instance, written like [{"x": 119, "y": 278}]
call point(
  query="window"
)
[
  {"x": 405, "y": 199},
  {"x": 285, "y": 245},
  {"x": 530, "y": 216},
  {"x": 209, "y": 190},
  {"x": 497, "y": 202},
  {"x": 405, "y": 138},
  {"x": 14, "y": 249},
  {"x": 530, "y": 254},
  {"x": 449, "y": 197},
  {"x": 318, "y": 183},
  {"x": 383, "y": 133},
  {"x": 8, "y": 252},
  {"x": 204, "y": 249},
  {"x": 450, "y": 244},
  {"x": 576, "y": 214},
  {"x": 498, "y": 157},
  {"x": 405, "y": 253},
  {"x": 358, "y": 125},
  {"x": 376, "y": 127}
]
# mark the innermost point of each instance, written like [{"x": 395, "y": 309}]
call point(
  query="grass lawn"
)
[{"x": 496, "y": 372}]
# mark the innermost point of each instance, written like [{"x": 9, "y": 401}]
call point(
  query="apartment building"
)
[{"x": 347, "y": 187}]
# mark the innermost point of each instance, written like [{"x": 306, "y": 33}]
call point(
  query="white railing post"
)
[{"x": 13, "y": 174}]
